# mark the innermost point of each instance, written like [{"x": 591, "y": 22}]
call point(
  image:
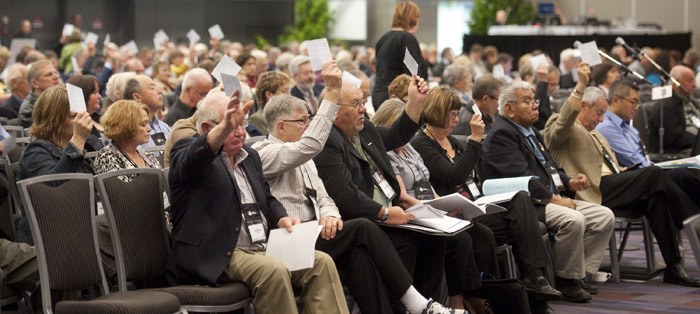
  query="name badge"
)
[
  {"x": 384, "y": 185},
  {"x": 554, "y": 174},
  {"x": 423, "y": 190},
  {"x": 473, "y": 189},
  {"x": 158, "y": 138},
  {"x": 252, "y": 218}
]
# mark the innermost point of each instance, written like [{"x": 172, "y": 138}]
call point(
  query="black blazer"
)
[
  {"x": 205, "y": 210},
  {"x": 676, "y": 138},
  {"x": 348, "y": 177},
  {"x": 506, "y": 154}
]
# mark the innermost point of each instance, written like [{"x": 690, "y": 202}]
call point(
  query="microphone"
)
[{"x": 634, "y": 51}]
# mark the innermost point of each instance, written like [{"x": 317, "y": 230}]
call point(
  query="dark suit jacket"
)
[
  {"x": 544, "y": 109},
  {"x": 506, "y": 153},
  {"x": 10, "y": 108},
  {"x": 348, "y": 177},
  {"x": 567, "y": 81},
  {"x": 676, "y": 138},
  {"x": 296, "y": 92},
  {"x": 206, "y": 212}
]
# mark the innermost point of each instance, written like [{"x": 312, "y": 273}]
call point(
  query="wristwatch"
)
[{"x": 385, "y": 216}]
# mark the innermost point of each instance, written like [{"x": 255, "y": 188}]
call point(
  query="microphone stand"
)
[{"x": 623, "y": 67}]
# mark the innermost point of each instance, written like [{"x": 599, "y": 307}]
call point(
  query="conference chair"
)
[
  {"x": 135, "y": 215},
  {"x": 60, "y": 210}
]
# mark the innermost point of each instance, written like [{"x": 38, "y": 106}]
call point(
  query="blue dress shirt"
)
[{"x": 624, "y": 140}]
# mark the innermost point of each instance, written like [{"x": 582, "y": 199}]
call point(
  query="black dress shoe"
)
[
  {"x": 538, "y": 285},
  {"x": 589, "y": 286},
  {"x": 676, "y": 274},
  {"x": 572, "y": 291}
]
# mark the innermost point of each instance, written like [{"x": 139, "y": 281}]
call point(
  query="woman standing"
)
[{"x": 391, "y": 49}]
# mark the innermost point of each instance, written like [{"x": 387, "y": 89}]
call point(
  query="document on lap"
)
[
  {"x": 295, "y": 249},
  {"x": 469, "y": 209}
]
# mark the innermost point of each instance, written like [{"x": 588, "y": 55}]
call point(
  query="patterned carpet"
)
[{"x": 636, "y": 296}]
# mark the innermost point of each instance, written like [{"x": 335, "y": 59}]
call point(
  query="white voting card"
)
[
  {"x": 226, "y": 65},
  {"x": 76, "y": 98},
  {"x": 319, "y": 53},
  {"x": 410, "y": 63}
]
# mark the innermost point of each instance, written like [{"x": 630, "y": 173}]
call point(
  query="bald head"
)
[{"x": 685, "y": 76}]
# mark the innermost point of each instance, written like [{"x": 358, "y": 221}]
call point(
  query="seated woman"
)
[
  {"x": 451, "y": 167},
  {"x": 604, "y": 75},
  {"x": 126, "y": 124},
  {"x": 59, "y": 139},
  {"x": 91, "y": 93}
]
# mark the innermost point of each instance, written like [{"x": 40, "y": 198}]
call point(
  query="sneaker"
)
[
  {"x": 589, "y": 286},
  {"x": 437, "y": 308},
  {"x": 572, "y": 290}
]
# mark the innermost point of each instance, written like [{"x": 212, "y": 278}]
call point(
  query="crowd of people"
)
[{"x": 356, "y": 157}]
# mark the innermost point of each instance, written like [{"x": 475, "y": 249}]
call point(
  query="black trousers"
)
[
  {"x": 688, "y": 180},
  {"x": 368, "y": 265},
  {"x": 463, "y": 263},
  {"x": 653, "y": 193},
  {"x": 520, "y": 228}
]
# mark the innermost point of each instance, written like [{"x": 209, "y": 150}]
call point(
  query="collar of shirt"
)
[
  {"x": 616, "y": 120},
  {"x": 527, "y": 132},
  {"x": 239, "y": 157}
]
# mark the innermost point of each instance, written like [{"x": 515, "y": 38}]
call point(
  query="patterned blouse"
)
[{"x": 111, "y": 158}]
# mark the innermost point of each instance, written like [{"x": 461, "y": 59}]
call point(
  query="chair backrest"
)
[
  {"x": 641, "y": 121},
  {"x": 11, "y": 171},
  {"x": 136, "y": 221},
  {"x": 60, "y": 211},
  {"x": 16, "y": 153},
  {"x": 7, "y": 221},
  {"x": 158, "y": 152},
  {"x": 16, "y": 131}
]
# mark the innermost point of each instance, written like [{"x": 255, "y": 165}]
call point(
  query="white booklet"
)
[
  {"x": 295, "y": 249},
  {"x": 428, "y": 216},
  {"x": 469, "y": 209}
]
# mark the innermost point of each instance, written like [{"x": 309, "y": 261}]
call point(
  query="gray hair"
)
[
  {"x": 209, "y": 109},
  {"x": 510, "y": 94},
  {"x": 133, "y": 85},
  {"x": 592, "y": 94},
  {"x": 454, "y": 72},
  {"x": 296, "y": 62},
  {"x": 196, "y": 75},
  {"x": 283, "y": 60},
  {"x": 281, "y": 106},
  {"x": 14, "y": 72},
  {"x": 258, "y": 54},
  {"x": 116, "y": 83}
]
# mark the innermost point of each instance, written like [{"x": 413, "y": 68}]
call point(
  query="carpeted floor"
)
[{"x": 637, "y": 296}]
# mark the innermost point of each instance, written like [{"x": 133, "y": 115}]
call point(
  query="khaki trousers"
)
[
  {"x": 271, "y": 283},
  {"x": 18, "y": 264},
  {"x": 581, "y": 237}
]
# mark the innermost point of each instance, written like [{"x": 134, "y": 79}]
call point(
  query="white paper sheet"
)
[
  {"x": 537, "y": 61},
  {"x": 295, "y": 249},
  {"x": 216, "y": 32},
  {"x": 476, "y": 110},
  {"x": 160, "y": 38},
  {"x": 107, "y": 40},
  {"x": 16, "y": 46},
  {"x": 410, "y": 63},
  {"x": 76, "y": 98},
  {"x": 319, "y": 53},
  {"x": 504, "y": 185},
  {"x": 661, "y": 92},
  {"x": 351, "y": 79},
  {"x": 589, "y": 53},
  {"x": 424, "y": 211},
  {"x": 231, "y": 83},
  {"x": 67, "y": 29},
  {"x": 130, "y": 47},
  {"x": 91, "y": 38},
  {"x": 74, "y": 63},
  {"x": 193, "y": 36},
  {"x": 226, "y": 65}
]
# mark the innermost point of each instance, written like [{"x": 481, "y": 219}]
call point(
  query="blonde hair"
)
[
  {"x": 122, "y": 119},
  {"x": 50, "y": 113},
  {"x": 388, "y": 113},
  {"x": 399, "y": 86},
  {"x": 441, "y": 100},
  {"x": 406, "y": 15}
]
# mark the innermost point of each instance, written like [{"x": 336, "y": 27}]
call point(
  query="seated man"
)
[
  {"x": 356, "y": 172},
  {"x": 578, "y": 147},
  {"x": 222, "y": 211},
  {"x": 514, "y": 148},
  {"x": 144, "y": 90},
  {"x": 681, "y": 116},
  {"x": 486, "y": 91},
  {"x": 368, "y": 263},
  {"x": 628, "y": 147}
]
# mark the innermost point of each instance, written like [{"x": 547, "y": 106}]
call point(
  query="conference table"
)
[{"x": 520, "y": 39}]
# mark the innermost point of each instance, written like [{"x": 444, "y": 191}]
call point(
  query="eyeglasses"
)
[
  {"x": 356, "y": 104},
  {"x": 634, "y": 102},
  {"x": 302, "y": 121},
  {"x": 453, "y": 114},
  {"x": 534, "y": 101}
]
